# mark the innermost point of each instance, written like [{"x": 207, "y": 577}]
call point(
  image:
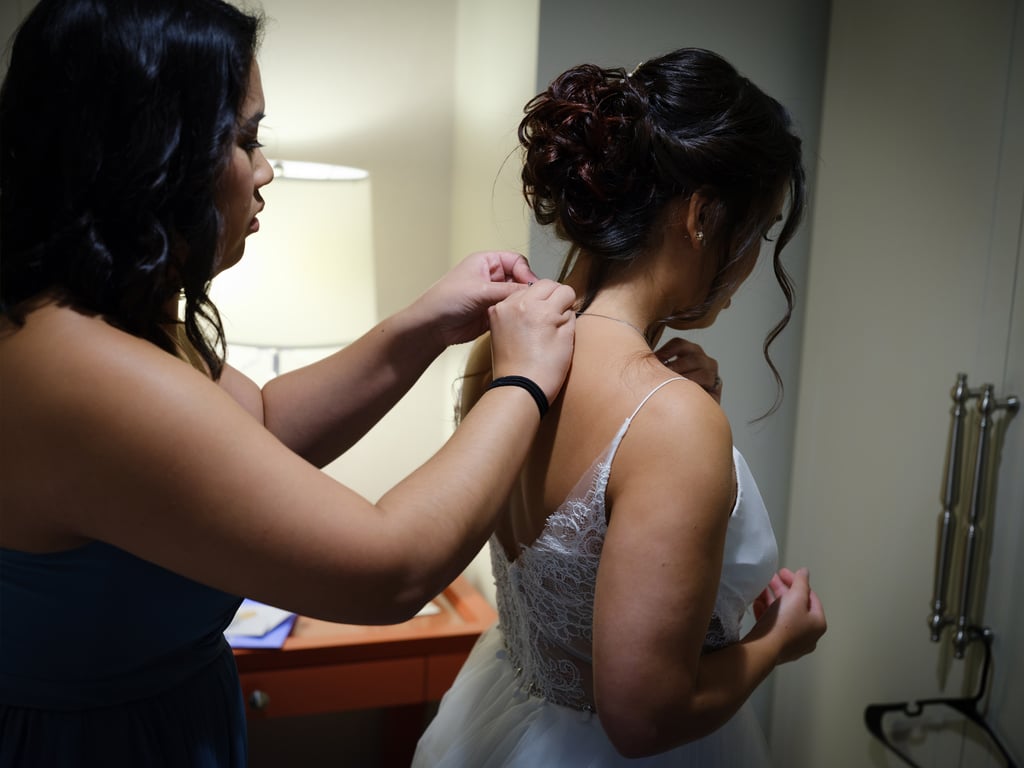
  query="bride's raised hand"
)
[
  {"x": 687, "y": 358},
  {"x": 791, "y": 612}
]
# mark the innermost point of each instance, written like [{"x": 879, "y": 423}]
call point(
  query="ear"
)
[{"x": 696, "y": 208}]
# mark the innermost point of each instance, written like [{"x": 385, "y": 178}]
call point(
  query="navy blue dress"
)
[{"x": 106, "y": 659}]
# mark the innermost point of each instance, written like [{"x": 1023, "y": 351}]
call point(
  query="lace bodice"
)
[{"x": 545, "y": 597}]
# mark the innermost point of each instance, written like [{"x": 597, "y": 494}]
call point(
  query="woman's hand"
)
[
  {"x": 532, "y": 333},
  {"x": 689, "y": 359},
  {"x": 455, "y": 308},
  {"x": 791, "y": 611}
]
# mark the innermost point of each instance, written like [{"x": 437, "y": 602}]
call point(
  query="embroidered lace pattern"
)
[{"x": 545, "y": 597}]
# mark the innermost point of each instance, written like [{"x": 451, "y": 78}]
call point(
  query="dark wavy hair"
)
[
  {"x": 116, "y": 122},
  {"x": 606, "y": 151}
]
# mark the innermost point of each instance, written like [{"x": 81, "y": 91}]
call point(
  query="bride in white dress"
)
[{"x": 636, "y": 539}]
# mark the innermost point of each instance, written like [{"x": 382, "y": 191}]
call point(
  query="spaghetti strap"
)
[
  {"x": 614, "y": 445},
  {"x": 648, "y": 397}
]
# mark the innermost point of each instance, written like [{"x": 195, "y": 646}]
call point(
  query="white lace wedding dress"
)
[{"x": 524, "y": 696}]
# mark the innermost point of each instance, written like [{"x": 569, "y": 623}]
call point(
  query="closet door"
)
[
  {"x": 1005, "y": 575},
  {"x": 915, "y": 276}
]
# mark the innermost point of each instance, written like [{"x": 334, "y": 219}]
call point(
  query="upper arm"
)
[
  {"x": 128, "y": 445},
  {"x": 671, "y": 490}
]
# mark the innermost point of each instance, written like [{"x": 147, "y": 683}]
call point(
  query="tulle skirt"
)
[{"x": 486, "y": 721}]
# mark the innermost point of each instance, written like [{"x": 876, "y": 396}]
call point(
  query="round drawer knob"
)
[{"x": 259, "y": 700}]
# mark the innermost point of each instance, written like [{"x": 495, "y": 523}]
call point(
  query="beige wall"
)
[
  {"x": 482, "y": 79},
  {"x": 378, "y": 86},
  {"x": 11, "y": 13},
  {"x": 495, "y": 71},
  {"x": 371, "y": 85},
  {"x": 916, "y": 246}
]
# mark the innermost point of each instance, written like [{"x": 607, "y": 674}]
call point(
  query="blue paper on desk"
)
[{"x": 257, "y": 625}]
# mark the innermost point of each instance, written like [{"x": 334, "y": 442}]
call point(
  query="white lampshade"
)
[{"x": 307, "y": 276}]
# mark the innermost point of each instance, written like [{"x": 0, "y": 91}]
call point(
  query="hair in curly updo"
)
[{"x": 605, "y": 151}]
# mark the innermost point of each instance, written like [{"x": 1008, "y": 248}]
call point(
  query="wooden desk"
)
[{"x": 328, "y": 667}]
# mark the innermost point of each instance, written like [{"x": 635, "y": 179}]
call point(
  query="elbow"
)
[
  {"x": 644, "y": 739},
  {"x": 632, "y": 748},
  {"x": 398, "y": 599},
  {"x": 382, "y": 602},
  {"x": 408, "y": 602},
  {"x": 633, "y": 737},
  {"x": 396, "y": 579},
  {"x": 639, "y": 727},
  {"x": 413, "y": 587},
  {"x": 634, "y": 731},
  {"x": 630, "y": 718},
  {"x": 380, "y": 591}
]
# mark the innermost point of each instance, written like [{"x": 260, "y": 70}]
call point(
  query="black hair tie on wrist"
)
[{"x": 530, "y": 386}]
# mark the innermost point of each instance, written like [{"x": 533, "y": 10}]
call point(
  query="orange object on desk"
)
[{"x": 329, "y": 667}]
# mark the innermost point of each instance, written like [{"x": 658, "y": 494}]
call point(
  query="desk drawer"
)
[
  {"x": 334, "y": 688},
  {"x": 442, "y": 670}
]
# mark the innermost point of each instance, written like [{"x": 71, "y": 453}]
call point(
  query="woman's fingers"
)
[{"x": 690, "y": 360}]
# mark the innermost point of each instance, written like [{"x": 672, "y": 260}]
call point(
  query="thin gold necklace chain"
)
[{"x": 616, "y": 319}]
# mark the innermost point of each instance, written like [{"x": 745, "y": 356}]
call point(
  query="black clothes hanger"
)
[{"x": 966, "y": 706}]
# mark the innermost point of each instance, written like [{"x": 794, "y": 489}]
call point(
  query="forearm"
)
[
  {"x": 321, "y": 410},
  {"x": 667, "y": 704},
  {"x": 791, "y": 619},
  {"x": 725, "y": 680}
]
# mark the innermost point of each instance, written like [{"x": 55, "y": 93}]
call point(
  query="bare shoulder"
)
[
  {"x": 72, "y": 361},
  {"x": 678, "y": 444},
  {"x": 681, "y": 417},
  {"x": 100, "y": 416},
  {"x": 66, "y": 360}
]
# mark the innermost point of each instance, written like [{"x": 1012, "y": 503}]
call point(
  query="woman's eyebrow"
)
[{"x": 254, "y": 120}]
